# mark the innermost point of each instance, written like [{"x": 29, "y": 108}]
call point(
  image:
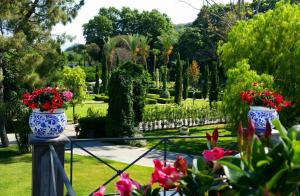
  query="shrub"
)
[
  {"x": 178, "y": 81},
  {"x": 151, "y": 101},
  {"x": 198, "y": 95},
  {"x": 92, "y": 127},
  {"x": 101, "y": 98},
  {"x": 164, "y": 94},
  {"x": 152, "y": 96},
  {"x": 165, "y": 100}
]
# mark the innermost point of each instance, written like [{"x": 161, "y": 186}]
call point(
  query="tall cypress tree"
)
[
  {"x": 104, "y": 76},
  {"x": 214, "y": 88},
  {"x": 178, "y": 81},
  {"x": 185, "y": 74},
  {"x": 206, "y": 80}
]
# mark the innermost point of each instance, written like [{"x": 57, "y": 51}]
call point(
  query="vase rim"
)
[
  {"x": 56, "y": 111},
  {"x": 262, "y": 108}
]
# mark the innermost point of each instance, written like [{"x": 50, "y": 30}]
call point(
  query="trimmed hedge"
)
[
  {"x": 165, "y": 100},
  {"x": 92, "y": 127},
  {"x": 151, "y": 101},
  {"x": 154, "y": 90},
  {"x": 198, "y": 94},
  {"x": 101, "y": 98},
  {"x": 152, "y": 96}
]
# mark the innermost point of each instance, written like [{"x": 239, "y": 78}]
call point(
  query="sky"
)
[{"x": 178, "y": 11}]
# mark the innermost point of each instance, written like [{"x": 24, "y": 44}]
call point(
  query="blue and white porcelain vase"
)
[
  {"x": 259, "y": 115},
  {"x": 47, "y": 124}
]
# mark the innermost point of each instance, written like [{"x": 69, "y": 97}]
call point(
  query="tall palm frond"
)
[
  {"x": 167, "y": 40},
  {"x": 132, "y": 43},
  {"x": 144, "y": 49}
]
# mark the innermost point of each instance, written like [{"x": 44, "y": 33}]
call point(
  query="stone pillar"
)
[{"x": 42, "y": 181}]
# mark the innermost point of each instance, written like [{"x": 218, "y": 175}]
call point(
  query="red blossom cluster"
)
[
  {"x": 46, "y": 99},
  {"x": 265, "y": 98}
]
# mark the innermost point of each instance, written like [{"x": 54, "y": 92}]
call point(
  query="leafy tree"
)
[
  {"x": 94, "y": 52},
  {"x": 74, "y": 79},
  {"x": 167, "y": 40},
  {"x": 240, "y": 79},
  {"x": 178, "y": 81},
  {"x": 214, "y": 88},
  {"x": 206, "y": 82},
  {"x": 194, "y": 73},
  {"x": 270, "y": 43},
  {"x": 185, "y": 74},
  {"x": 109, "y": 51},
  {"x": 189, "y": 43},
  {"x": 97, "y": 30},
  {"x": 28, "y": 24},
  {"x": 144, "y": 49},
  {"x": 155, "y": 52},
  {"x": 132, "y": 43}
]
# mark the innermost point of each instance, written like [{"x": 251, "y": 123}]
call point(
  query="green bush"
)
[
  {"x": 101, "y": 98},
  {"x": 165, "y": 100},
  {"x": 164, "y": 94},
  {"x": 92, "y": 127},
  {"x": 172, "y": 92},
  {"x": 151, "y": 101}
]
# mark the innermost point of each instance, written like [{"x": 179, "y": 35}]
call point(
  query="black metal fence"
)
[{"x": 164, "y": 141}]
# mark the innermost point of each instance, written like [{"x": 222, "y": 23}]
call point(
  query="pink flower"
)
[
  {"x": 181, "y": 165},
  {"x": 267, "y": 93},
  {"x": 215, "y": 154},
  {"x": 68, "y": 95},
  {"x": 100, "y": 192},
  {"x": 165, "y": 176},
  {"x": 278, "y": 98},
  {"x": 286, "y": 103},
  {"x": 125, "y": 185}
]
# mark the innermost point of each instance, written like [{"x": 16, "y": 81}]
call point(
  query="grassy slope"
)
[{"x": 88, "y": 173}]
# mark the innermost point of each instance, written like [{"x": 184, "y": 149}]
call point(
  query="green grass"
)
[
  {"x": 88, "y": 173},
  {"x": 81, "y": 109},
  {"x": 193, "y": 146}
]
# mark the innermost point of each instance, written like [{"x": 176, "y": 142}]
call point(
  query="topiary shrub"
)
[
  {"x": 165, "y": 94},
  {"x": 165, "y": 100},
  {"x": 92, "y": 127},
  {"x": 152, "y": 96},
  {"x": 178, "y": 81},
  {"x": 151, "y": 101}
]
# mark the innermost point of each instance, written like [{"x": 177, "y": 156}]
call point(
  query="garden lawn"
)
[
  {"x": 193, "y": 146},
  {"x": 88, "y": 173}
]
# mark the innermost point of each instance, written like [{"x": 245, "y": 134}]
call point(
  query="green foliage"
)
[
  {"x": 272, "y": 170},
  {"x": 74, "y": 80},
  {"x": 152, "y": 96},
  {"x": 164, "y": 73},
  {"x": 185, "y": 74},
  {"x": 240, "y": 79},
  {"x": 214, "y": 86},
  {"x": 270, "y": 42},
  {"x": 178, "y": 81},
  {"x": 104, "y": 77},
  {"x": 167, "y": 40},
  {"x": 206, "y": 81},
  {"x": 164, "y": 94},
  {"x": 90, "y": 73},
  {"x": 120, "y": 117},
  {"x": 127, "y": 99},
  {"x": 92, "y": 126},
  {"x": 101, "y": 98},
  {"x": 189, "y": 43},
  {"x": 165, "y": 100},
  {"x": 156, "y": 76},
  {"x": 151, "y": 101}
]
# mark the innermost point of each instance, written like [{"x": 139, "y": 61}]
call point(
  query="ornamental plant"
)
[
  {"x": 47, "y": 99},
  {"x": 258, "y": 96}
]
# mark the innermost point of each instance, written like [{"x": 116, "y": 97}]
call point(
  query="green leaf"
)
[
  {"x": 294, "y": 175},
  {"x": 155, "y": 192},
  {"x": 199, "y": 165},
  {"x": 276, "y": 178},
  {"x": 231, "y": 166},
  {"x": 282, "y": 131}
]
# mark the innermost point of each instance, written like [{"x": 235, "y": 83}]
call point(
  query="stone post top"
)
[{"x": 62, "y": 139}]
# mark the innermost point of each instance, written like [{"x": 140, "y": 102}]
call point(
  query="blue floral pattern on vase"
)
[
  {"x": 47, "y": 124},
  {"x": 259, "y": 115}
]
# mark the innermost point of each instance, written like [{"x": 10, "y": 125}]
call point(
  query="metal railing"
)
[
  {"x": 165, "y": 141},
  {"x": 55, "y": 160}
]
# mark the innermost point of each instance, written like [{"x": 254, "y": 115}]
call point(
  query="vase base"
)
[{"x": 48, "y": 137}]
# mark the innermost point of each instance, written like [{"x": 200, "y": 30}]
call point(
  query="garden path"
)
[{"x": 120, "y": 153}]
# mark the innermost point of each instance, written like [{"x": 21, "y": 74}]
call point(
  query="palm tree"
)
[
  {"x": 144, "y": 49},
  {"x": 132, "y": 43},
  {"x": 167, "y": 39},
  {"x": 109, "y": 51},
  {"x": 155, "y": 52}
]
